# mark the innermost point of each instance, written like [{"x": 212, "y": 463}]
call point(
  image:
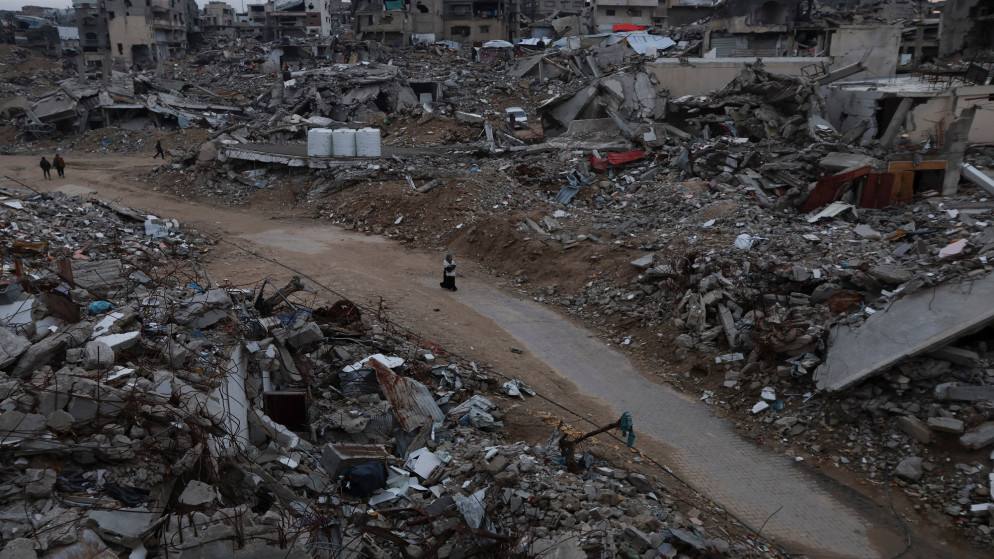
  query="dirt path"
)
[{"x": 565, "y": 363}]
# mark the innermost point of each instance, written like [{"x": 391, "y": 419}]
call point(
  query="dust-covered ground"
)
[{"x": 273, "y": 234}]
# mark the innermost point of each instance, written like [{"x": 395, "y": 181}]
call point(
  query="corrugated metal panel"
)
[
  {"x": 412, "y": 403},
  {"x": 725, "y": 45}
]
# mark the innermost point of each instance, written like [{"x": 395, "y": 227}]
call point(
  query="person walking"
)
[
  {"x": 60, "y": 165},
  {"x": 46, "y": 168},
  {"x": 158, "y": 150},
  {"x": 448, "y": 273}
]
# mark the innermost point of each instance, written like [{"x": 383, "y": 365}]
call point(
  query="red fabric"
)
[
  {"x": 627, "y": 27},
  {"x": 615, "y": 159}
]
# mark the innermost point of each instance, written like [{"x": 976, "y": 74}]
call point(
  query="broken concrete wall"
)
[
  {"x": 959, "y": 27},
  {"x": 699, "y": 76},
  {"x": 852, "y": 105},
  {"x": 129, "y": 31},
  {"x": 876, "y": 46},
  {"x": 847, "y": 110}
]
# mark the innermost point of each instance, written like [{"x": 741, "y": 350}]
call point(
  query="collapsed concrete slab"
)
[
  {"x": 11, "y": 347},
  {"x": 916, "y": 324}
]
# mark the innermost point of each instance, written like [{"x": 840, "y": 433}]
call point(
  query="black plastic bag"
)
[{"x": 363, "y": 479}]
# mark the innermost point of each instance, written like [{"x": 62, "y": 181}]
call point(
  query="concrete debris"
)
[
  {"x": 911, "y": 325},
  {"x": 163, "y": 463},
  {"x": 808, "y": 245}
]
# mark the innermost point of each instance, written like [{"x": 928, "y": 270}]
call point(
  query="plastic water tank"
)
[
  {"x": 367, "y": 142},
  {"x": 343, "y": 142},
  {"x": 319, "y": 142}
]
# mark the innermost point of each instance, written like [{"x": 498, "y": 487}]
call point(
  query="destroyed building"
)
[
  {"x": 965, "y": 29},
  {"x": 218, "y": 17},
  {"x": 143, "y": 34},
  {"x": 801, "y": 241}
]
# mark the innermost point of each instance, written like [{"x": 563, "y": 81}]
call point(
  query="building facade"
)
[
  {"x": 393, "y": 22},
  {"x": 219, "y": 17},
  {"x": 137, "y": 32},
  {"x": 643, "y": 13},
  {"x": 468, "y": 21}
]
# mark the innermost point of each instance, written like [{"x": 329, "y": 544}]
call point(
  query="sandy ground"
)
[{"x": 373, "y": 272}]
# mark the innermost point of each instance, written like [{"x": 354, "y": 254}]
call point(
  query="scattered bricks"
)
[
  {"x": 979, "y": 437},
  {"x": 916, "y": 428},
  {"x": 909, "y": 469},
  {"x": 946, "y": 424}
]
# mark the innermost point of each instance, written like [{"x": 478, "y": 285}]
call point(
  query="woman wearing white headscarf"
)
[{"x": 449, "y": 273}]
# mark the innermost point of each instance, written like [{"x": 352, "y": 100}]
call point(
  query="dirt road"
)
[{"x": 561, "y": 361}]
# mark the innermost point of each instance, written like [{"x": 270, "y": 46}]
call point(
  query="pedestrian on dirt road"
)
[
  {"x": 46, "y": 168},
  {"x": 60, "y": 165},
  {"x": 449, "y": 273},
  {"x": 158, "y": 150}
]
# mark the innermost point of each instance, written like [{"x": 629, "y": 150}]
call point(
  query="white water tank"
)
[
  {"x": 367, "y": 142},
  {"x": 319, "y": 142},
  {"x": 343, "y": 142}
]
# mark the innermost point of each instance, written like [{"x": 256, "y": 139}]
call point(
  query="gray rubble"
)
[{"x": 166, "y": 422}]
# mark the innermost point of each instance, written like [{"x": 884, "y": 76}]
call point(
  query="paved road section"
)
[{"x": 818, "y": 515}]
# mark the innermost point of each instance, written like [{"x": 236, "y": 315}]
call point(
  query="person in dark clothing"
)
[
  {"x": 158, "y": 151},
  {"x": 60, "y": 165},
  {"x": 46, "y": 168},
  {"x": 448, "y": 273}
]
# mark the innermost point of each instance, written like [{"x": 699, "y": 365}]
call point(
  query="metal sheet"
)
[
  {"x": 412, "y": 402},
  {"x": 830, "y": 189}
]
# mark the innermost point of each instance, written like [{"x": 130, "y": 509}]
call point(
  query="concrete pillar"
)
[
  {"x": 956, "y": 139},
  {"x": 107, "y": 67},
  {"x": 919, "y": 47},
  {"x": 81, "y": 65},
  {"x": 894, "y": 126}
]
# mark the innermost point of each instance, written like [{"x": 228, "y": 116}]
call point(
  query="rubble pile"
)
[
  {"x": 146, "y": 409},
  {"x": 745, "y": 286}
]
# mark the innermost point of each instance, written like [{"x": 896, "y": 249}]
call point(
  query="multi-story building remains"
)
[{"x": 135, "y": 32}]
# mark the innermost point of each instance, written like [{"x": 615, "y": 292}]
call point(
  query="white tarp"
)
[
  {"x": 497, "y": 45},
  {"x": 640, "y": 43}
]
